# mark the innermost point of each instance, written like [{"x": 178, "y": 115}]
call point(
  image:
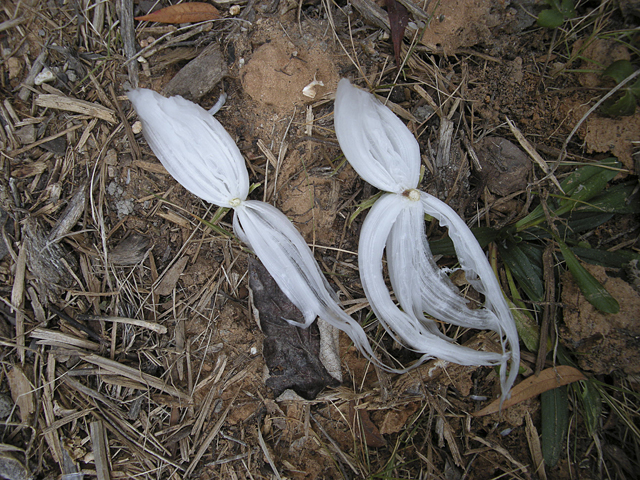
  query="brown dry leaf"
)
[
  {"x": 535, "y": 385},
  {"x": 170, "y": 279},
  {"x": 395, "y": 419},
  {"x": 398, "y": 20},
  {"x": 183, "y": 13},
  {"x": 21, "y": 392},
  {"x": 372, "y": 435}
]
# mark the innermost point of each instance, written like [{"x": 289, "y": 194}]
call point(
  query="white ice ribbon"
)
[
  {"x": 384, "y": 153},
  {"x": 198, "y": 152}
]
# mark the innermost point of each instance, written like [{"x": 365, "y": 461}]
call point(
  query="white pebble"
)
[
  {"x": 136, "y": 127},
  {"x": 234, "y": 10},
  {"x": 44, "y": 76}
]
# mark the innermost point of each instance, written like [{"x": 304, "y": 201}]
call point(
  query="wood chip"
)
[
  {"x": 69, "y": 104},
  {"x": 21, "y": 392},
  {"x": 152, "y": 167},
  {"x": 59, "y": 339},
  {"x": 17, "y": 299},
  {"x": 200, "y": 75},
  {"x": 171, "y": 277}
]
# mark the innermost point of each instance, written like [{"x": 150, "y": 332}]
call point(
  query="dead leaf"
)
[
  {"x": 398, "y": 20},
  {"x": 395, "y": 419},
  {"x": 11, "y": 468},
  {"x": 170, "y": 279},
  {"x": 533, "y": 386},
  {"x": 183, "y": 13},
  {"x": 372, "y": 435},
  {"x": 291, "y": 353},
  {"x": 21, "y": 392}
]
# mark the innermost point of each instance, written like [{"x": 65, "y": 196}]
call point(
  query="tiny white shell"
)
[{"x": 310, "y": 90}]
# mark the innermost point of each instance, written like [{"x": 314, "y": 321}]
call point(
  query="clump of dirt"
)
[
  {"x": 464, "y": 23},
  {"x": 279, "y": 70},
  {"x": 603, "y": 342}
]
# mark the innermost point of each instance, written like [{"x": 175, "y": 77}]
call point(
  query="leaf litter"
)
[{"x": 122, "y": 399}]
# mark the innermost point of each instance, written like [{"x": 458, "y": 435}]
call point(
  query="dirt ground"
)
[{"x": 130, "y": 345}]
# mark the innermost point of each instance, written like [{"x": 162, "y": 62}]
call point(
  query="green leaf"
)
[
  {"x": 528, "y": 275},
  {"x": 617, "y": 259},
  {"x": 622, "y": 198},
  {"x": 555, "y": 422},
  {"x": 589, "y": 180},
  {"x": 624, "y": 106},
  {"x": 368, "y": 203},
  {"x": 579, "y": 222},
  {"x": 619, "y": 70},
  {"x": 444, "y": 246},
  {"x": 567, "y": 9},
  {"x": 550, "y": 19},
  {"x": 584, "y": 183},
  {"x": 635, "y": 88},
  {"x": 528, "y": 329},
  {"x": 593, "y": 291},
  {"x": 591, "y": 402}
]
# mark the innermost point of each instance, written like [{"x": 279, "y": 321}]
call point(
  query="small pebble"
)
[
  {"x": 15, "y": 67},
  {"x": 71, "y": 75},
  {"x": 6, "y": 405},
  {"x": 234, "y": 10},
  {"x": 45, "y": 76},
  {"x": 136, "y": 127}
]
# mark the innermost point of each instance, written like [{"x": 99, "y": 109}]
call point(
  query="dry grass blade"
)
[
  {"x": 530, "y": 149},
  {"x": 130, "y": 372},
  {"x": 212, "y": 434},
  {"x": 267, "y": 454},
  {"x": 156, "y": 327},
  {"x": 535, "y": 448},
  {"x": 100, "y": 448}
]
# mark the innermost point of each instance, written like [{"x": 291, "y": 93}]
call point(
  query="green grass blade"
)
[
  {"x": 444, "y": 246},
  {"x": 555, "y": 422},
  {"x": 528, "y": 275},
  {"x": 594, "y": 292},
  {"x": 368, "y": 203}
]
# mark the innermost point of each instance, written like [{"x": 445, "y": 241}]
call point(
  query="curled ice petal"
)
[
  {"x": 192, "y": 145},
  {"x": 480, "y": 274},
  {"x": 200, "y": 155},
  {"x": 385, "y": 153},
  {"x": 419, "y": 284},
  {"x": 376, "y": 142},
  {"x": 405, "y": 327},
  {"x": 287, "y": 257}
]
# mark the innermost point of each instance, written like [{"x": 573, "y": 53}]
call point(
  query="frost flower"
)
[
  {"x": 384, "y": 153},
  {"x": 198, "y": 152}
]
